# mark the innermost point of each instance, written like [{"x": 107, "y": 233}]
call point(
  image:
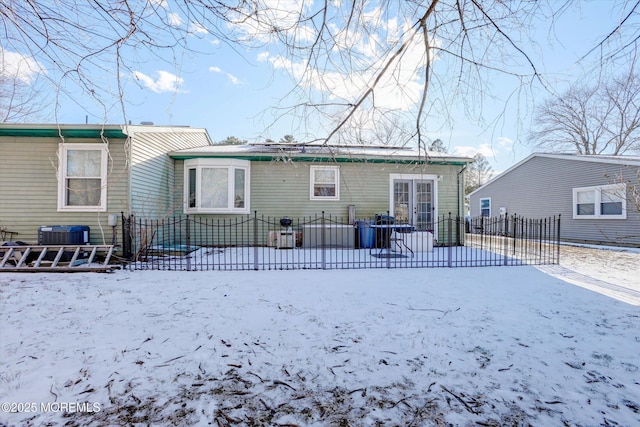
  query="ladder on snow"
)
[{"x": 29, "y": 258}]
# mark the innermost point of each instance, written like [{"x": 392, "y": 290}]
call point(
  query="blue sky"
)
[{"x": 232, "y": 92}]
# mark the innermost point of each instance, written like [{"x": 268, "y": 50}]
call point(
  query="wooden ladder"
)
[{"x": 32, "y": 258}]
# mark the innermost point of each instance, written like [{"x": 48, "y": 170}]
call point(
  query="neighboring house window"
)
[
  {"x": 82, "y": 182},
  {"x": 216, "y": 186},
  {"x": 485, "y": 207},
  {"x": 605, "y": 202},
  {"x": 325, "y": 183}
]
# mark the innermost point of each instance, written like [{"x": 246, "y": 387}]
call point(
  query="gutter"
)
[
  {"x": 65, "y": 132},
  {"x": 320, "y": 159}
]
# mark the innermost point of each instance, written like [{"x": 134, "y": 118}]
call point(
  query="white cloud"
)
[
  {"x": 17, "y": 66},
  {"x": 175, "y": 20},
  {"x": 233, "y": 79},
  {"x": 470, "y": 151},
  {"x": 282, "y": 15},
  {"x": 197, "y": 28},
  {"x": 505, "y": 142},
  {"x": 159, "y": 3},
  {"x": 399, "y": 89},
  {"x": 165, "y": 82}
]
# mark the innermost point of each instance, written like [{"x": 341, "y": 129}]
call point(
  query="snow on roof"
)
[{"x": 314, "y": 150}]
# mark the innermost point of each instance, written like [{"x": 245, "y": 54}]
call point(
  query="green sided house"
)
[
  {"x": 303, "y": 180},
  {"x": 87, "y": 175}
]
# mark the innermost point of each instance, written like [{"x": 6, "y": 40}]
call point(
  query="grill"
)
[{"x": 285, "y": 239}]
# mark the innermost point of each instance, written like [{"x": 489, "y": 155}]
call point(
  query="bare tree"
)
[
  {"x": 478, "y": 173},
  {"x": 22, "y": 98},
  {"x": 407, "y": 59},
  {"x": 634, "y": 192},
  {"x": 601, "y": 119}
]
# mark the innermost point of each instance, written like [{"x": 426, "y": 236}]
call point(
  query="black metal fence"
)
[{"x": 256, "y": 242}]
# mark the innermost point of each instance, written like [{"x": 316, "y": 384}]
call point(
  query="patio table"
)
[{"x": 389, "y": 237}]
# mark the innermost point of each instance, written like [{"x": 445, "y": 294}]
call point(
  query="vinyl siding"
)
[
  {"x": 153, "y": 192},
  {"x": 282, "y": 189},
  {"x": 29, "y": 188},
  {"x": 543, "y": 187}
]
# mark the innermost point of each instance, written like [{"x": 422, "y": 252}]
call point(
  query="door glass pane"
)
[
  {"x": 401, "y": 201},
  {"x": 424, "y": 205},
  {"x": 214, "y": 188}
]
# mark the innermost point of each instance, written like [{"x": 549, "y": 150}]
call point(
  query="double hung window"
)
[
  {"x": 485, "y": 207},
  {"x": 325, "y": 183},
  {"x": 82, "y": 178}
]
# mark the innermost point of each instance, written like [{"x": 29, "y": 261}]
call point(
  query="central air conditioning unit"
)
[{"x": 63, "y": 235}]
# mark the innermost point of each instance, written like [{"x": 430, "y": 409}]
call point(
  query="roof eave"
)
[
  {"x": 305, "y": 157},
  {"x": 65, "y": 131}
]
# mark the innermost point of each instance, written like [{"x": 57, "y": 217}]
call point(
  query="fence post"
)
[
  {"x": 514, "y": 232},
  {"x": 188, "y": 239},
  {"x": 540, "y": 234},
  {"x": 322, "y": 242},
  {"x": 449, "y": 239},
  {"x": 482, "y": 233},
  {"x": 255, "y": 240},
  {"x": 387, "y": 236},
  {"x": 505, "y": 236},
  {"x": 558, "y": 241},
  {"x": 126, "y": 236}
]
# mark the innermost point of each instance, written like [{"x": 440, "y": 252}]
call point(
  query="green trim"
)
[
  {"x": 67, "y": 133},
  {"x": 267, "y": 158}
]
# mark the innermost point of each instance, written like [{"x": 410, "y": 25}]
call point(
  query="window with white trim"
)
[
  {"x": 604, "y": 202},
  {"x": 216, "y": 186},
  {"x": 485, "y": 207},
  {"x": 325, "y": 183},
  {"x": 82, "y": 177}
]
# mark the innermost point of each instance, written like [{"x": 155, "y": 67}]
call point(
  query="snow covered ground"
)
[{"x": 463, "y": 346}]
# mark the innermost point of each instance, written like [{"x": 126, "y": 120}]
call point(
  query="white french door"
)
[{"x": 413, "y": 200}]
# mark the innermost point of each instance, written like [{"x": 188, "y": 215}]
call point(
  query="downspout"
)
[
  {"x": 128, "y": 153},
  {"x": 460, "y": 205}
]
